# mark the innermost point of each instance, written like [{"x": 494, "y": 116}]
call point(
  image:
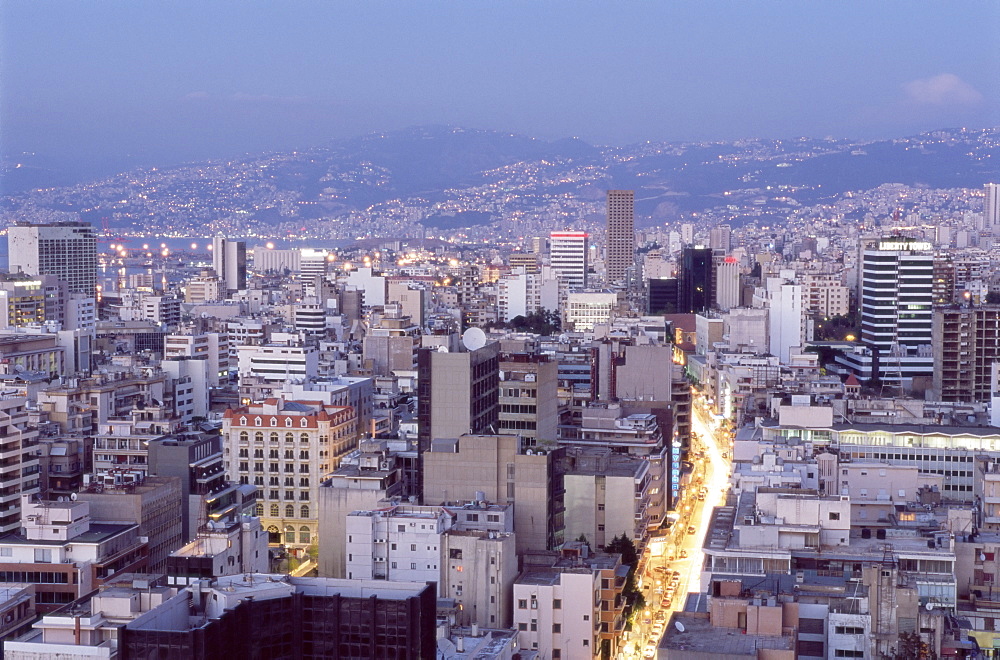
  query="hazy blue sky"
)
[{"x": 91, "y": 81}]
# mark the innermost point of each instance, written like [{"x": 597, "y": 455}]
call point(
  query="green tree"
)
[{"x": 910, "y": 647}]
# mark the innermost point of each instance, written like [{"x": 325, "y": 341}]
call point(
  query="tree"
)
[{"x": 910, "y": 647}]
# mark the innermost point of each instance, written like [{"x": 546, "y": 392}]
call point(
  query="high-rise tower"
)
[
  {"x": 67, "y": 250},
  {"x": 991, "y": 207},
  {"x": 229, "y": 258},
  {"x": 621, "y": 234}
]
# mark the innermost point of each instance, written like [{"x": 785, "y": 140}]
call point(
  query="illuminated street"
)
[{"x": 680, "y": 551}]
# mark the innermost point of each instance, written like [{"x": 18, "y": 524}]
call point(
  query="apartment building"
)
[{"x": 570, "y": 606}]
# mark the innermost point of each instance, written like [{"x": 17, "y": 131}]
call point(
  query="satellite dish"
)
[
  {"x": 474, "y": 338},
  {"x": 72, "y": 497},
  {"x": 929, "y": 606},
  {"x": 679, "y": 626},
  {"x": 442, "y": 349}
]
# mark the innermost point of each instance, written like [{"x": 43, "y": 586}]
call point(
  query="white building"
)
[
  {"x": 584, "y": 309},
  {"x": 568, "y": 257},
  {"x": 67, "y": 250},
  {"x": 229, "y": 259}
]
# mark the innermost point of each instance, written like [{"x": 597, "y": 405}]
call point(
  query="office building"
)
[
  {"x": 457, "y": 392},
  {"x": 67, "y": 250},
  {"x": 991, "y": 206},
  {"x": 568, "y": 257},
  {"x": 585, "y": 309},
  {"x": 896, "y": 311},
  {"x": 696, "y": 291},
  {"x": 620, "y": 234},
  {"x": 720, "y": 238},
  {"x": 661, "y": 295},
  {"x": 529, "y": 398},
  {"x": 229, "y": 259}
]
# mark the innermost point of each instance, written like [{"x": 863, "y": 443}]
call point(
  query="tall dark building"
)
[
  {"x": 696, "y": 290},
  {"x": 662, "y": 296}
]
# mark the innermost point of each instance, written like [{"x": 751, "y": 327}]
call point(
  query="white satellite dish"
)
[
  {"x": 72, "y": 497},
  {"x": 442, "y": 349},
  {"x": 679, "y": 626},
  {"x": 474, "y": 339},
  {"x": 929, "y": 606}
]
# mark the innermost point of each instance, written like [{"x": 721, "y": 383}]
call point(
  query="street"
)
[{"x": 673, "y": 562}]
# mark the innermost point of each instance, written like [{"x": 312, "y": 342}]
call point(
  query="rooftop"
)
[{"x": 699, "y": 635}]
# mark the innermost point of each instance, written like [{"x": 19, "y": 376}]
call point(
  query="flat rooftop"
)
[{"x": 700, "y": 636}]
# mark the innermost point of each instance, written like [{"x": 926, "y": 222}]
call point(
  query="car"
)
[
  {"x": 691, "y": 529},
  {"x": 677, "y": 574},
  {"x": 684, "y": 554},
  {"x": 650, "y": 651}
]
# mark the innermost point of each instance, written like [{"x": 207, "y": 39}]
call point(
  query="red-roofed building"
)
[{"x": 286, "y": 448}]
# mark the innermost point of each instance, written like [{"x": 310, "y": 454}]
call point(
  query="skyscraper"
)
[
  {"x": 991, "y": 207},
  {"x": 696, "y": 292},
  {"x": 621, "y": 233},
  {"x": 568, "y": 257},
  {"x": 67, "y": 250},
  {"x": 229, "y": 258},
  {"x": 897, "y": 297}
]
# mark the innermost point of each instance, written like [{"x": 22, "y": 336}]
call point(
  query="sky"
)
[{"x": 104, "y": 84}]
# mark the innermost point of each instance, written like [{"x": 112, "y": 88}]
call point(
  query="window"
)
[
  {"x": 260, "y": 509},
  {"x": 847, "y": 653},
  {"x": 289, "y": 437},
  {"x": 413, "y": 566},
  {"x": 288, "y": 421},
  {"x": 557, "y": 603},
  {"x": 413, "y": 547},
  {"x": 556, "y": 654},
  {"x": 304, "y": 511},
  {"x": 522, "y": 626},
  {"x": 586, "y": 642},
  {"x": 304, "y": 422},
  {"x": 586, "y": 617},
  {"x": 522, "y": 604},
  {"x": 557, "y": 627},
  {"x": 534, "y": 625},
  {"x": 850, "y": 630},
  {"x": 289, "y": 511},
  {"x": 274, "y": 510},
  {"x": 455, "y": 553},
  {"x": 401, "y": 528},
  {"x": 304, "y": 437},
  {"x": 834, "y": 515},
  {"x": 304, "y": 534}
]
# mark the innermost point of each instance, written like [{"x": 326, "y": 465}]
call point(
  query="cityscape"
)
[{"x": 499, "y": 331}]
